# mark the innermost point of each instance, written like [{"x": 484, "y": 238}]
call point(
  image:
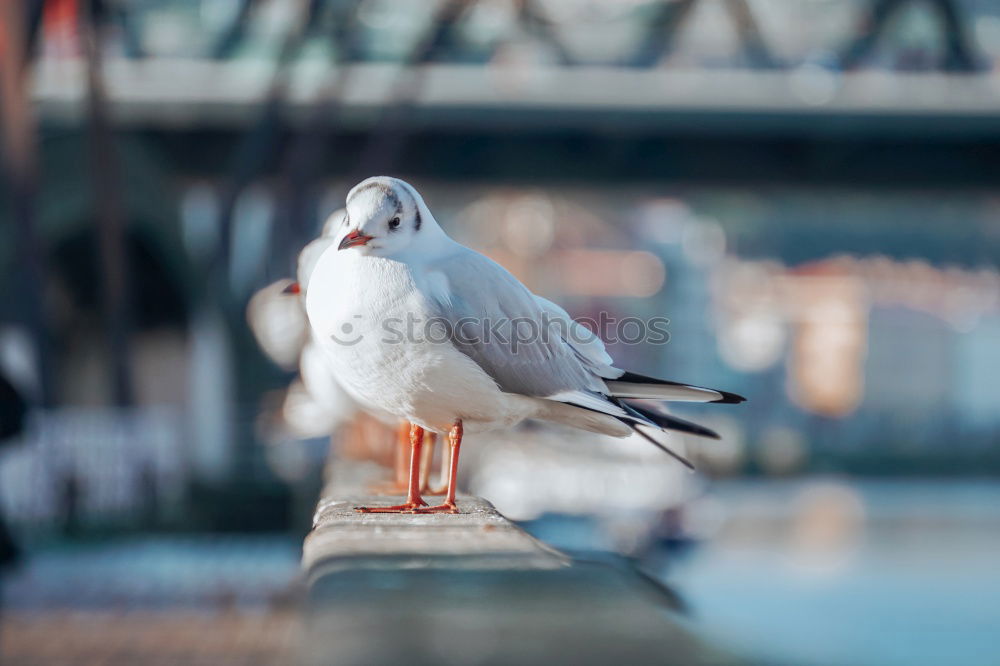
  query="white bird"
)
[{"x": 423, "y": 327}]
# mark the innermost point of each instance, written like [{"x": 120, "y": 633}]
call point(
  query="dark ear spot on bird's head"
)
[{"x": 416, "y": 219}]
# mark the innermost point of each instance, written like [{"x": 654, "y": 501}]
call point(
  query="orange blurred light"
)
[
  {"x": 609, "y": 272},
  {"x": 826, "y": 367}
]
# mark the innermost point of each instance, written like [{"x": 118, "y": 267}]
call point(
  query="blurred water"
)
[{"x": 834, "y": 572}]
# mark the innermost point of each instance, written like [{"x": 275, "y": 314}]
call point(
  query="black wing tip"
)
[
  {"x": 635, "y": 378},
  {"x": 702, "y": 431},
  {"x": 670, "y": 422},
  {"x": 729, "y": 398}
]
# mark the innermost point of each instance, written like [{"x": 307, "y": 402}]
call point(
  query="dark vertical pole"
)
[
  {"x": 253, "y": 154},
  {"x": 110, "y": 222},
  {"x": 19, "y": 161},
  {"x": 17, "y": 166}
]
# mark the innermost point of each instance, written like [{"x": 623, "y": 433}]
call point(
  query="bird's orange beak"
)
[
  {"x": 354, "y": 238},
  {"x": 293, "y": 288}
]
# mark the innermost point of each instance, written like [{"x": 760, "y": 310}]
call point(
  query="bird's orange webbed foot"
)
[{"x": 406, "y": 507}]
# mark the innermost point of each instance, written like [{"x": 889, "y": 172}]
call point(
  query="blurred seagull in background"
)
[
  {"x": 278, "y": 322},
  {"x": 276, "y": 314},
  {"x": 419, "y": 325}
]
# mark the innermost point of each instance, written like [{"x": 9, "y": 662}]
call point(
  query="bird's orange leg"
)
[
  {"x": 399, "y": 484},
  {"x": 413, "y": 499},
  {"x": 455, "y": 444}
]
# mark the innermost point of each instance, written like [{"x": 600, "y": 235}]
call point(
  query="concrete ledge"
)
[
  {"x": 476, "y": 538},
  {"x": 472, "y": 588}
]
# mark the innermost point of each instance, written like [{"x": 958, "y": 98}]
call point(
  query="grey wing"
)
[
  {"x": 498, "y": 323},
  {"x": 586, "y": 344}
]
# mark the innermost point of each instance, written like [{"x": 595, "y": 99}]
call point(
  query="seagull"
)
[
  {"x": 416, "y": 324},
  {"x": 278, "y": 323},
  {"x": 276, "y": 314}
]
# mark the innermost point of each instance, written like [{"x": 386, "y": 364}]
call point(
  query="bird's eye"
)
[{"x": 394, "y": 223}]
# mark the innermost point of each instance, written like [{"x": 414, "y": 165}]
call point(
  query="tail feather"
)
[
  {"x": 634, "y": 385},
  {"x": 670, "y": 422},
  {"x": 639, "y": 416},
  {"x": 585, "y": 418},
  {"x": 617, "y": 414}
]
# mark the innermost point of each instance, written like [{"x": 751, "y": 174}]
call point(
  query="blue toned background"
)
[{"x": 806, "y": 190}]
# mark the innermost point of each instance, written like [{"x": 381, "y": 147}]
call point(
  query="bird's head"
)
[{"x": 385, "y": 216}]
